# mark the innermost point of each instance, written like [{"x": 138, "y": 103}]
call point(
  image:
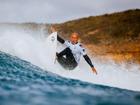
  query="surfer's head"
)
[{"x": 74, "y": 37}]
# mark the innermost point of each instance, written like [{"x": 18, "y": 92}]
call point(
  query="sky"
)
[{"x": 57, "y": 11}]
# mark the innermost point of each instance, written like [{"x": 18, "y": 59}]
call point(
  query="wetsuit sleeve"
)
[
  {"x": 83, "y": 52},
  {"x": 60, "y": 39},
  {"x": 88, "y": 60}
]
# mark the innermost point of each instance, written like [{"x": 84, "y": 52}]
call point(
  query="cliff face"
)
[{"x": 115, "y": 36}]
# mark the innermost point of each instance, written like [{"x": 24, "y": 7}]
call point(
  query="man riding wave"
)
[{"x": 70, "y": 56}]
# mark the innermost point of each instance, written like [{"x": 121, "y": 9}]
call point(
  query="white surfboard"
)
[{"x": 51, "y": 43}]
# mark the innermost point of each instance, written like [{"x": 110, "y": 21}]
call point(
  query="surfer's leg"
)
[
  {"x": 68, "y": 53},
  {"x": 68, "y": 61},
  {"x": 62, "y": 60},
  {"x": 64, "y": 52}
]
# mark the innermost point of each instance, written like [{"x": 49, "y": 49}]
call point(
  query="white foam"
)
[{"x": 32, "y": 48}]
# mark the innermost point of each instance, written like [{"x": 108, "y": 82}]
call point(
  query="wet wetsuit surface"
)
[{"x": 70, "y": 57}]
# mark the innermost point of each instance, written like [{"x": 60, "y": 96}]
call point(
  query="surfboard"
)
[{"x": 51, "y": 43}]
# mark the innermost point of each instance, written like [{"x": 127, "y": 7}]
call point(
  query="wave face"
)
[
  {"x": 27, "y": 42},
  {"x": 22, "y": 83}
]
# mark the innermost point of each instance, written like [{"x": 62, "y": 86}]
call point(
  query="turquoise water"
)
[{"x": 22, "y": 83}]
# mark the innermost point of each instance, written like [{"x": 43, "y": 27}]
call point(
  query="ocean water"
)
[{"x": 22, "y": 83}]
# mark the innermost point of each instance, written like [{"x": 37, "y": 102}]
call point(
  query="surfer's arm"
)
[
  {"x": 86, "y": 57},
  {"x": 90, "y": 63},
  {"x": 60, "y": 39}
]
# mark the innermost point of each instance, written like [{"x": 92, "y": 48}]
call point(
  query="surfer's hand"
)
[
  {"x": 94, "y": 70},
  {"x": 53, "y": 29}
]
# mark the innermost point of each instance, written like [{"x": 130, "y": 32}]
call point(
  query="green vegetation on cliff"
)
[{"x": 123, "y": 25}]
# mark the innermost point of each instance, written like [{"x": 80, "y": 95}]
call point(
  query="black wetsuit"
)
[{"x": 66, "y": 57}]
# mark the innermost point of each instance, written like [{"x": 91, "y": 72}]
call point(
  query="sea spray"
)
[{"x": 29, "y": 44}]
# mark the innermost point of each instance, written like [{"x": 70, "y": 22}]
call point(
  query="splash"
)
[{"x": 30, "y": 44}]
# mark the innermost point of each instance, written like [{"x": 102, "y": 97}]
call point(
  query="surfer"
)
[{"x": 70, "y": 56}]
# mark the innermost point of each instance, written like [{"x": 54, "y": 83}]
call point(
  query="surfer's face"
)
[{"x": 74, "y": 38}]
